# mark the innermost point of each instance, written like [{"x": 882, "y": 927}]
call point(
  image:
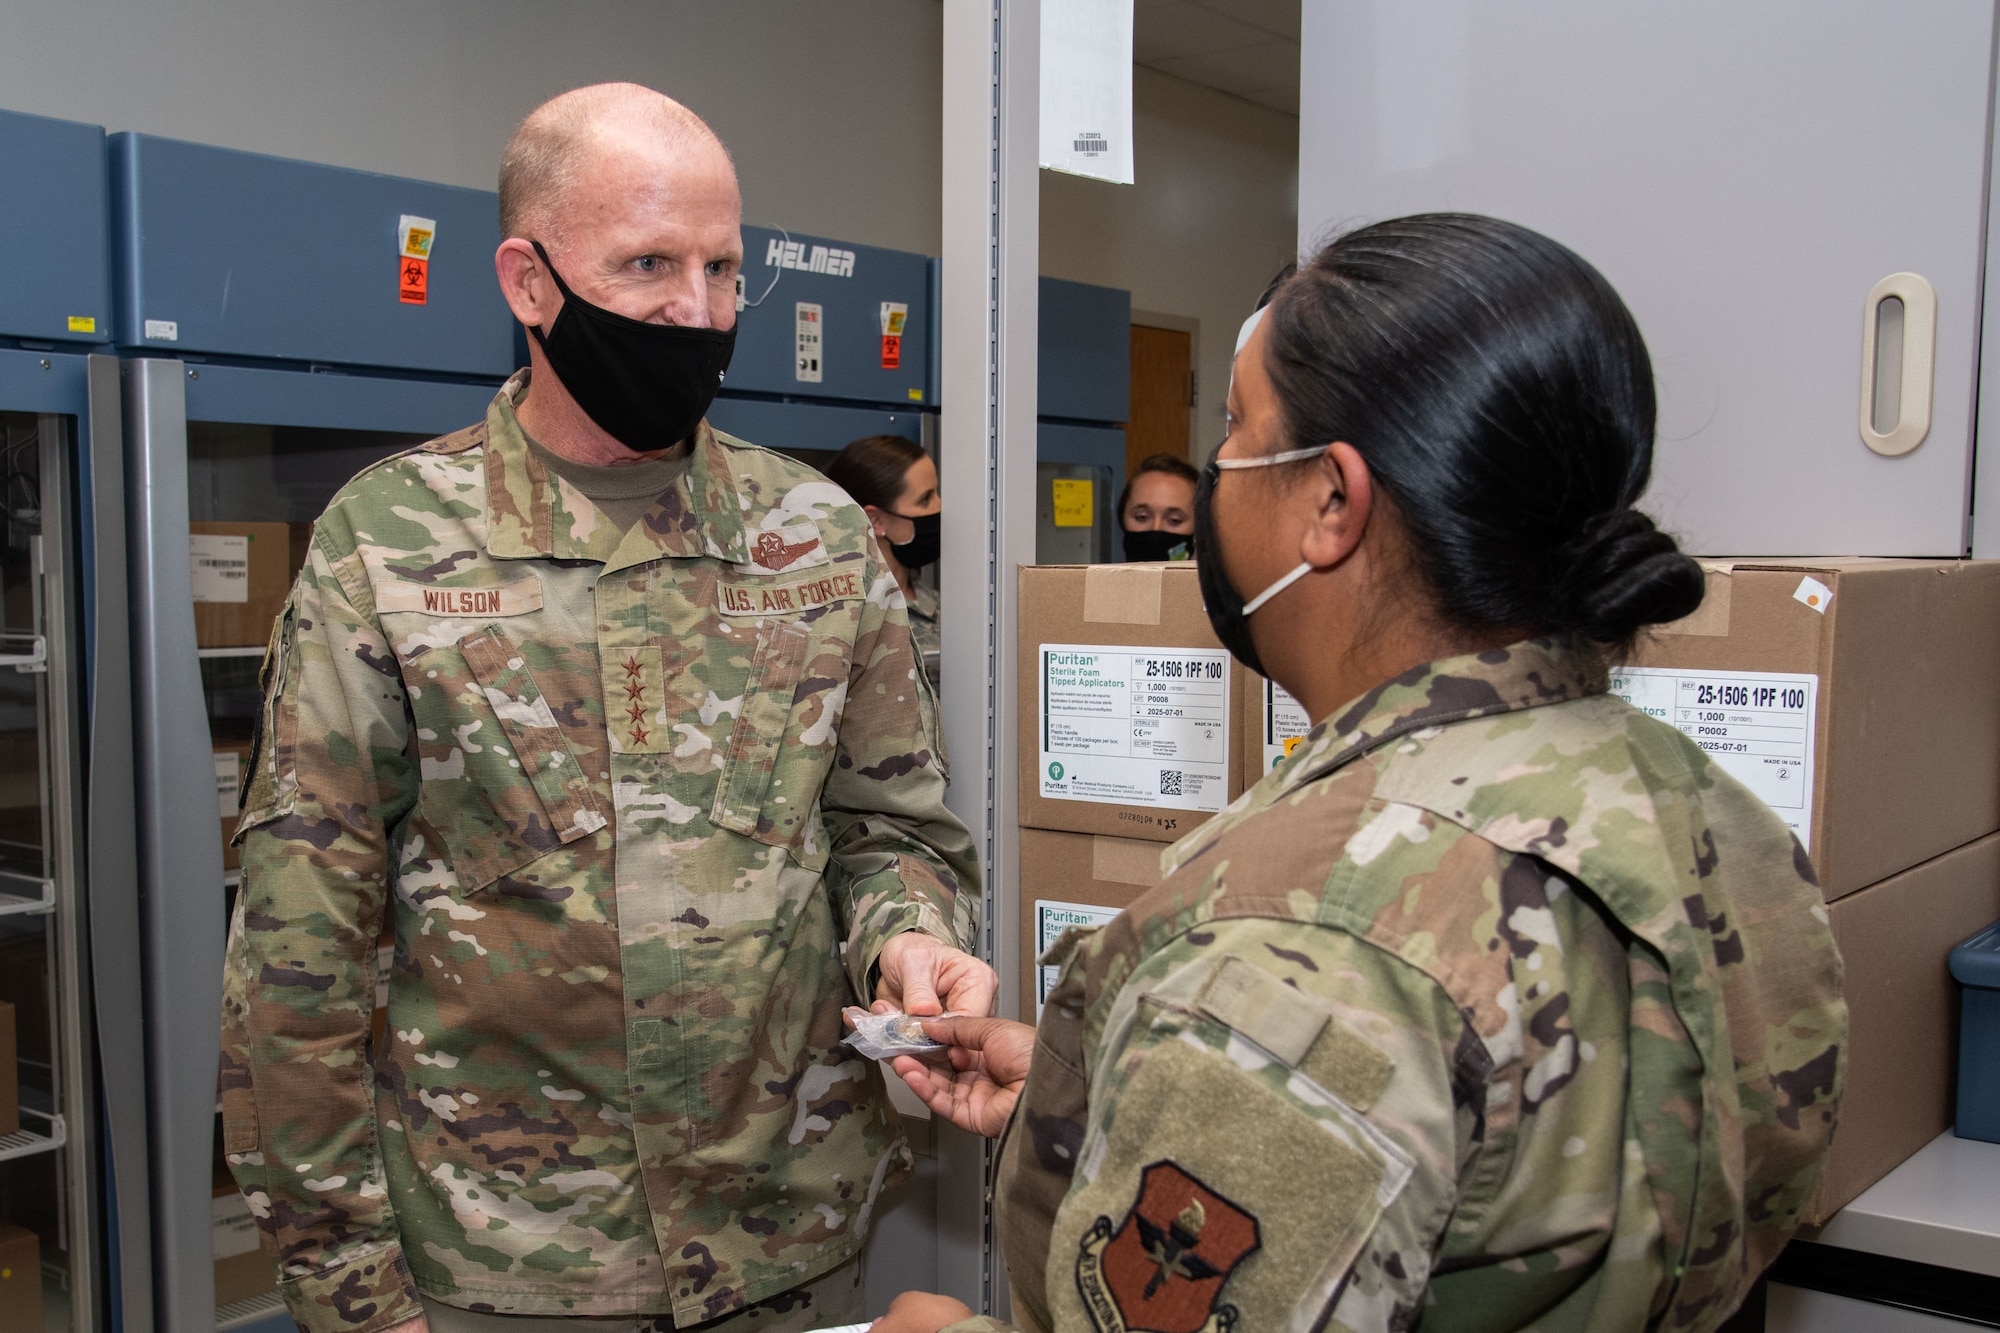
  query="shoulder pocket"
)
[
  {"x": 271, "y": 741},
  {"x": 782, "y": 740},
  {"x": 501, "y": 786},
  {"x": 1252, "y": 1173}
]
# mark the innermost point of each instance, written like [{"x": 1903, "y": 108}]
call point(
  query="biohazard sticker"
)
[{"x": 1163, "y": 1269}]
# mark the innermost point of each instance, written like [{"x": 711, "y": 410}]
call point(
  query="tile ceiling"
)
[{"x": 1246, "y": 48}]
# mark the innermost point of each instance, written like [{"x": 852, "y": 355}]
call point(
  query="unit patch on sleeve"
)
[
  {"x": 1163, "y": 1269},
  {"x": 764, "y": 598}
]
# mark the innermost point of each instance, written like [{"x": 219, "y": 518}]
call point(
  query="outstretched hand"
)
[
  {"x": 989, "y": 1064},
  {"x": 923, "y": 976}
]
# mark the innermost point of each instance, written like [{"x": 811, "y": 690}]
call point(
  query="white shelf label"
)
[
  {"x": 1757, "y": 726},
  {"x": 1135, "y": 726},
  {"x": 1051, "y": 920},
  {"x": 228, "y": 781},
  {"x": 232, "y": 1227},
  {"x": 219, "y": 567}
]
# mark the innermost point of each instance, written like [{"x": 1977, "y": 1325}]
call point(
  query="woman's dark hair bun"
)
[
  {"x": 1626, "y": 575},
  {"x": 1503, "y": 399}
]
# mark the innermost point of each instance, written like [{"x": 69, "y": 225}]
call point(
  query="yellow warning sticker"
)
[
  {"x": 916, "y": 395},
  {"x": 83, "y": 323},
  {"x": 414, "y": 236},
  {"x": 1073, "y": 498}
]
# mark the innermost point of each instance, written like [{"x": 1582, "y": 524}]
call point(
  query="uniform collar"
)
[
  {"x": 1522, "y": 675},
  {"x": 530, "y": 513}
]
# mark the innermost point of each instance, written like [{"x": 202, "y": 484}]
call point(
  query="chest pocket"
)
[
  {"x": 783, "y": 740},
  {"x": 501, "y": 786}
]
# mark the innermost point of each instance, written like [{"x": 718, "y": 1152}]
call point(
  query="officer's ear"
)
[{"x": 525, "y": 283}]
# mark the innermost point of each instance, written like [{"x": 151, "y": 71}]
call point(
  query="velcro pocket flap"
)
[
  {"x": 1298, "y": 1029},
  {"x": 759, "y": 731},
  {"x": 534, "y": 734}
]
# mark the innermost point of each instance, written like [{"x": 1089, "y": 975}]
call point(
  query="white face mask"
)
[{"x": 1304, "y": 567}]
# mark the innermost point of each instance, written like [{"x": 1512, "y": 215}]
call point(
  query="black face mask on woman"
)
[
  {"x": 1143, "y": 544},
  {"x": 1228, "y": 614},
  {"x": 922, "y": 548},
  {"x": 647, "y": 385}
]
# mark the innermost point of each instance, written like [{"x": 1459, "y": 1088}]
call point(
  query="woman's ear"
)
[
  {"x": 1340, "y": 495},
  {"x": 874, "y": 519}
]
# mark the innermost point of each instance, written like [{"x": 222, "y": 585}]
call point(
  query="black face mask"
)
[
  {"x": 1228, "y": 614},
  {"x": 922, "y": 548},
  {"x": 647, "y": 385},
  {"x": 1218, "y": 595},
  {"x": 1145, "y": 544}
]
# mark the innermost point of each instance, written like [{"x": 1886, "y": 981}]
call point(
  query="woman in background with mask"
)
[
  {"x": 1156, "y": 509},
  {"x": 895, "y": 481},
  {"x": 1495, "y": 1004}
]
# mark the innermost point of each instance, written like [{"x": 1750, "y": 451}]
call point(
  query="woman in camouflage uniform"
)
[{"x": 1494, "y": 1005}]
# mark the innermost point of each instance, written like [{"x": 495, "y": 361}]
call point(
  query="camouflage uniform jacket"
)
[
  {"x": 1493, "y": 1006},
  {"x": 643, "y": 807}
]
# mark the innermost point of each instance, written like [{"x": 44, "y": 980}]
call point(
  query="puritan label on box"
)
[
  {"x": 219, "y": 567},
  {"x": 1757, "y": 725},
  {"x": 1285, "y": 725},
  {"x": 1051, "y": 920},
  {"x": 1135, "y": 726}
]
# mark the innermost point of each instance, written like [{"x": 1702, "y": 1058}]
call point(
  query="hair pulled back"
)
[
  {"x": 1503, "y": 399},
  {"x": 873, "y": 469},
  {"x": 1166, "y": 463}
]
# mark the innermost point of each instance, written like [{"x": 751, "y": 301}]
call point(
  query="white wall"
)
[
  {"x": 831, "y": 107},
  {"x": 1213, "y": 215}
]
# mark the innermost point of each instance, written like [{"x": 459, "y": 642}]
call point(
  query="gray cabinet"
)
[{"x": 1745, "y": 175}]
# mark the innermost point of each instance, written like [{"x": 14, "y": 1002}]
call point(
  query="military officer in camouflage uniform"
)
[
  {"x": 616, "y": 720},
  {"x": 1495, "y": 1005}
]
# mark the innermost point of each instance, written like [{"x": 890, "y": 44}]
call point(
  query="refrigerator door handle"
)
[
  {"x": 180, "y": 860},
  {"x": 111, "y": 869},
  {"x": 1898, "y": 353}
]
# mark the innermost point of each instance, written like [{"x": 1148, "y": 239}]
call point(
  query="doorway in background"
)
[{"x": 1163, "y": 393}]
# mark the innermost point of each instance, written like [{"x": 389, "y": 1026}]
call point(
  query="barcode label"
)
[
  {"x": 1170, "y": 782},
  {"x": 1092, "y": 143},
  {"x": 219, "y": 567}
]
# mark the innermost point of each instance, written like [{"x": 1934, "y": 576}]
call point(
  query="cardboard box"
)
[
  {"x": 1064, "y": 872},
  {"x": 20, "y": 1278},
  {"x": 1906, "y": 726},
  {"x": 10, "y": 1073},
  {"x": 242, "y": 574},
  {"x": 1139, "y": 742},
  {"x": 1269, "y": 724},
  {"x": 241, "y": 1270},
  {"x": 1902, "y": 1007}
]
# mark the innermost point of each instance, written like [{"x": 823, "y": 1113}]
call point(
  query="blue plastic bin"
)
[{"x": 1976, "y": 965}]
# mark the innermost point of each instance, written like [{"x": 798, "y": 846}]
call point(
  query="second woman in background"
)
[{"x": 896, "y": 483}]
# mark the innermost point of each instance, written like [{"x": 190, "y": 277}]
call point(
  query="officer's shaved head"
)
[{"x": 548, "y": 155}]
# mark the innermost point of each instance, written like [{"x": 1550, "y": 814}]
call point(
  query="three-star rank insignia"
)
[
  {"x": 633, "y": 698},
  {"x": 1163, "y": 1268}
]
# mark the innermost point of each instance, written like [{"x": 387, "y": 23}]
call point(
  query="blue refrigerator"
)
[
  {"x": 273, "y": 343},
  {"x": 67, "y": 948},
  {"x": 1083, "y": 362}
]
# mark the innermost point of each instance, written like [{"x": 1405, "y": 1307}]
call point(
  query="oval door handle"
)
[{"x": 1898, "y": 352}]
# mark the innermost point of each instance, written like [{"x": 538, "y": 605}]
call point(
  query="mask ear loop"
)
[
  {"x": 1270, "y": 460},
  {"x": 1304, "y": 567}
]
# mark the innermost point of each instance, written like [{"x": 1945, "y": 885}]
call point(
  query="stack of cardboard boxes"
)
[
  {"x": 1859, "y": 698},
  {"x": 1129, "y": 739}
]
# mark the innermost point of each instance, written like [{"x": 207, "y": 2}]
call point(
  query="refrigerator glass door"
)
[
  {"x": 48, "y": 1211},
  {"x": 229, "y": 466}
]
